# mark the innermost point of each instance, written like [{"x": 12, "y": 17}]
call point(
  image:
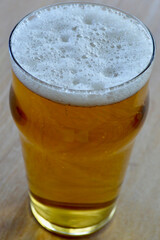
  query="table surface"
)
[{"x": 138, "y": 213}]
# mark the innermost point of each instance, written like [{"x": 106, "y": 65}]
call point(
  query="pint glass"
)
[{"x": 77, "y": 140}]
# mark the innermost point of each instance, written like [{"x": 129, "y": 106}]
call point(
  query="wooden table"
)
[{"x": 138, "y": 213}]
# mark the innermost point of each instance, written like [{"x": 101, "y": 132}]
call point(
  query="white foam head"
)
[{"x": 81, "y": 54}]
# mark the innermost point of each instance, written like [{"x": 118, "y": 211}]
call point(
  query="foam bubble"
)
[{"x": 81, "y": 53}]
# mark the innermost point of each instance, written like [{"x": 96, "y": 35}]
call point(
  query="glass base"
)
[{"x": 71, "y": 222}]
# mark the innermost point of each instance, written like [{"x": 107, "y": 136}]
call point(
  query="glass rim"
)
[{"x": 92, "y": 91}]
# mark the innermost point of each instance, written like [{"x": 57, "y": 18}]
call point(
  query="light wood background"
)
[{"x": 138, "y": 213}]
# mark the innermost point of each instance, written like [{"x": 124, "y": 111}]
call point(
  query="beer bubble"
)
[
  {"x": 74, "y": 28},
  {"x": 81, "y": 47},
  {"x": 119, "y": 46},
  {"x": 84, "y": 56},
  {"x": 88, "y": 19},
  {"x": 92, "y": 44},
  {"x": 65, "y": 38},
  {"x": 76, "y": 81}
]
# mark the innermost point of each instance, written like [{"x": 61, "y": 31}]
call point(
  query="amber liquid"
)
[{"x": 75, "y": 157}]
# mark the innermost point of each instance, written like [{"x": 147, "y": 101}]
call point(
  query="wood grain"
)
[{"x": 138, "y": 213}]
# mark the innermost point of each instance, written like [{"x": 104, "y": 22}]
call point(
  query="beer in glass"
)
[{"x": 79, "y": 97}]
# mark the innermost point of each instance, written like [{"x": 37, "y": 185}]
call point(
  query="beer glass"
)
[{"x": 77, "y": 140}]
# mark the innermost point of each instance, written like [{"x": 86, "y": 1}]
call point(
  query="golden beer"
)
[{"x": 75, "y": 155}]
